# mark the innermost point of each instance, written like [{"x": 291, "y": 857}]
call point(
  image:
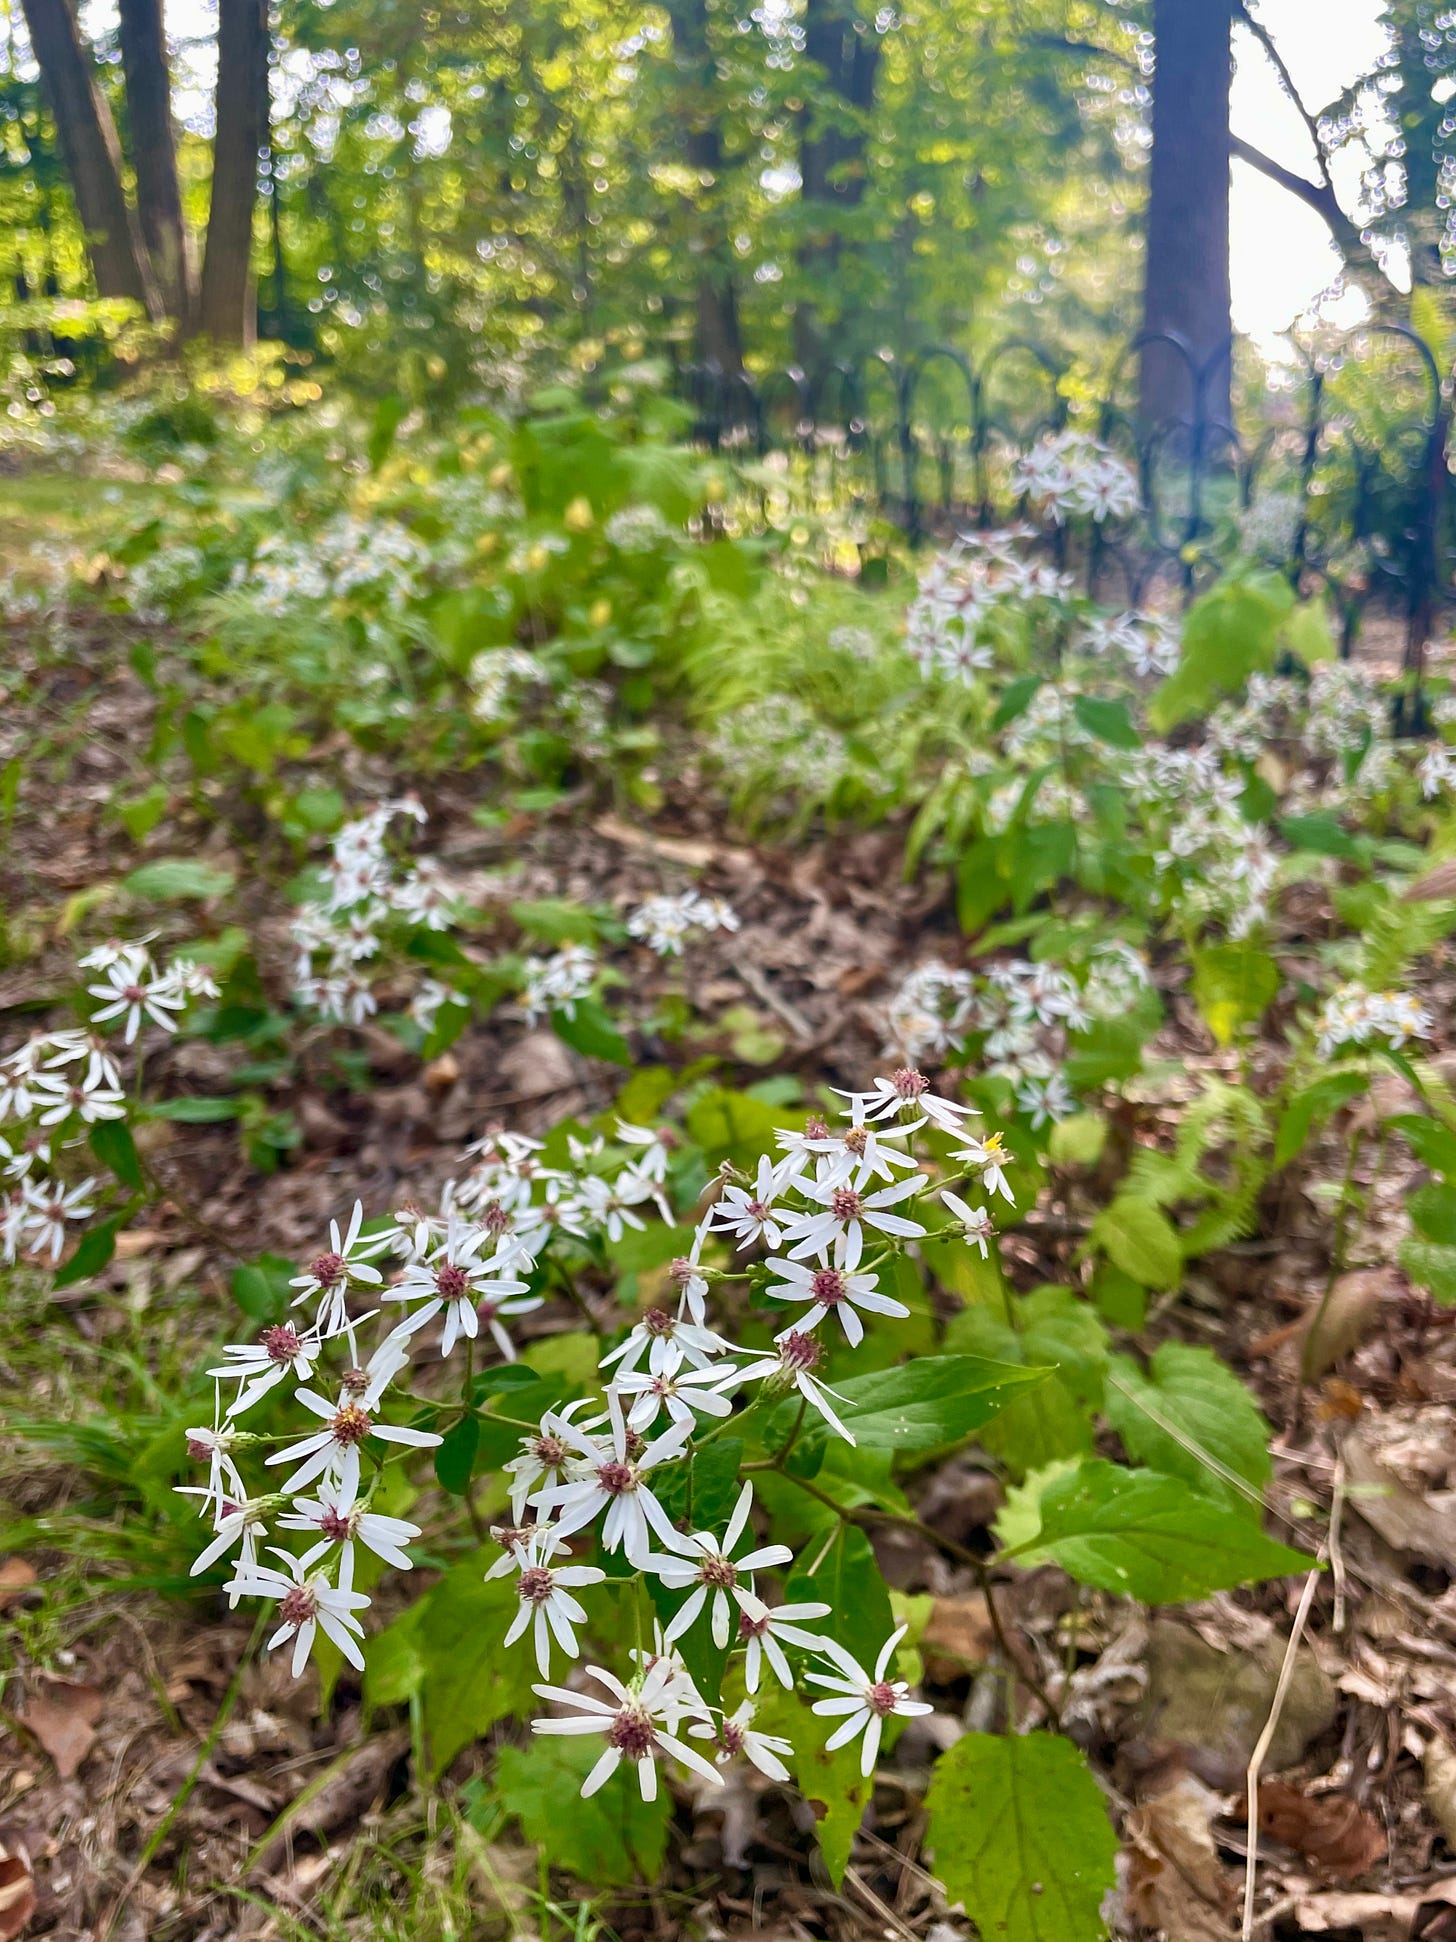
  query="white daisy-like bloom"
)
[
  {"x": 735, "y": 1735},
  {"x": 133, "y": 993},
  {"x": 751, "y": 1214},
  {"x": 658, "y": 1145},
  {"x": 844, "y": 1212},
  {"x": 832, "y": 1288},
  {"x": 116, "y": 951},
  {"x": 344, "y": 1262},
  {"x": 214, "y": 1446},
  {"x": 717, "y": 1577},
  {"x": 260, "y": 1366},
  {"x": 545, "y": 1589},
  {"x": 49, "y": 1206},
  {"x": 908, "y": 1091},
  {"x": 639, "y": 1723},
  {"x": 610, "y": 1203},
  {"x": 760, "y": 1640},
  {"x": 863, "y": 1154},
  {"x": 975, "y": 1223},
  {"x": 667, "y": 1341},
  {"x": 338, "y": 1516},
  {"x": 611, "y": 1484},
  {"x": 1046, "y": 1099},
  {"x": 234, "y": 1523},
  {"x": 458, "y": 1282},
  {"x": 791, "y": 1365},
  {"x": 989, "y": 1157},
  {"x": 333, "y": 1451},
  {"x": 59, "y": 1097},
  {"x": 546, "y": 1458},
  {"x": 685, "y": 1393},
  {"x": 867, "y": 1699},
  {"x": 307, "y": 1604}
]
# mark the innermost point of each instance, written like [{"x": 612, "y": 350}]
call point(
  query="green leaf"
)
[
  {"x": 1136, "y": 1237},
  {"x": 1229, "y": 633},
  {"x": 139, "y": 815},
  {"x": 1078, "y": 1141},
  {"x": 261, "y": 1288},
  {"x": 1144, "y": 1535},
  {"x": 614, "y": 1838},
  {"x": 1020, "y": 1833},
  {"x": 926, "y": 1404},
  {"x": 556, "y": 922},
  {"x": 1433, "y": 1212},
  {"x": 1433, "y": 1144},
  {"x": 1049, "y": 1328},
  {"x": 96, "y": 1248},
  {"x": 1321, "y": 833},
  {"x": 1233, "y": 986},
  {"x": 195, "y": 1112},
  {"x": 114, "y": 1147},
  {"x": 469, "y": 1680},
  {"x": 831, "y": 1784},
  {"x": 1016, "y": 698},
  {"x": 846, "y": 1577},
  {"x": 702, "y": 1492},
  {"x": 1109, "y": 721},
  {"x": 178, "y": 876},
  {"x": 1433, "y": 1266},
  {"x": 1311, "y": 1107},
  {"x": 394, "y": 1664},
  {"x": 592, "y": 1033},
  {"x": 1190, "y": 1407},
  {"x": 455, "y": 1455}
]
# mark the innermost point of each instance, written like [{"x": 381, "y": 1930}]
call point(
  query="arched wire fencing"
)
[{"x": 1335, "y": 468}]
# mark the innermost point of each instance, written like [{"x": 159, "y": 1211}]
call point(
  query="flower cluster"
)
[
  {"x": 1352, "y": 1015},
  {"x": 338, "y": 559},
  {"x": 555, "y": 983},
  {"x": 57, "y": 1086},
  {"x": 338, "y": 936},
  {"x": 950, "y": 628},
  {"x": 665, "y": 924},
  {"x": 1070, "y": 475},
  {"x": 817, "y": 1217},
  {"x": 1022, "y": 1013}
]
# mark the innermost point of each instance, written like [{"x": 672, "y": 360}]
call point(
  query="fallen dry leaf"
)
[
  {"x": 64, "y": 1722},
  {"x": 1374, "y": 1918},
  {"x": 1439, "y": 1768},
  {"x": 1435, "y": 886},
  {"x": 17, "y": 1891},
  {"x": 16, "y": 1576},
  {"x": 1175, "y": 1880},
  {"x": 1215, "y": 1703},
  {"x": 1404, "y": 1518},
  {"x": 1333, "y": 1831},
  {"x": 957, "y": 1634},
  {"x": 1340, "y": 1323}
]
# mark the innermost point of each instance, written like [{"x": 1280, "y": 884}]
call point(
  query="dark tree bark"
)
[
  {"x": 154, "y": 154},
  {"x": 91, "y": 153},
  {"x": 842, "y": 43},
  {"x": 227, "y": 310},
  {"x": 1188, "y": 211},
  {"x": 718, "y": 338}
]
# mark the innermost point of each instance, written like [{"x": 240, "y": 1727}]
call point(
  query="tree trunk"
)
[
  {"x": 717, "y": 337},
  {"x": 91, "y": 153},
  {"x": 154, "y": 154},
  {"x": 227, "y": 311},
  {"x": 845, "y": 46},
  {"x": 1188, "y": 210}
]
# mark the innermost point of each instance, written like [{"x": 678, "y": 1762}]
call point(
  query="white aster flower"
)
[
  {"x": 833, "y": 1289},
  {"x": 612, "y": 1484},
  {"x": 717, "y": 1576},
  {"x": 735, "y": 1734},
  {"x": 545, "y": 1589},
  {"x": 866, "y": 1699},
  {"x": 639, "y": 1724},
  {"x": 307, "y": 1604}
]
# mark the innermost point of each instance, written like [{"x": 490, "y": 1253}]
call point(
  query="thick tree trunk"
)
[
  {"x": 1188, "y": 210},
  {"x": 91, "y": 153},
  {"x": 718, "y": 340},
  {"x": 843, "y": 44},
  {"x": 154, "y": 154},
  {"x": 227, "y": 312}
]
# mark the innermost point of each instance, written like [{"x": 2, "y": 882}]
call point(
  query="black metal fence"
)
[{"x": 1335, "y": 467}]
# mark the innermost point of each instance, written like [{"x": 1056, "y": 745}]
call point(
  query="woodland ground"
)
[{"x": 162, "y": 1793}]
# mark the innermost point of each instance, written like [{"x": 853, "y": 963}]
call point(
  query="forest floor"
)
[{"x": 151, "y": 1789}]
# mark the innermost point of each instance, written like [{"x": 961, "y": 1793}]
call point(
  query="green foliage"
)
[
  {"x": 609, "y": 1840},
  {"x": 1230, "y": 633},
  {"x": 1144, "y": 1535},
  {"x": 1021, "y": 1835},
  {"x": 1191, "y": 1417}
]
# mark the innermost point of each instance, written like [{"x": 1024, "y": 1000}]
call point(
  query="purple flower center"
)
[
  {"x": 799, "y": 1351},
  {"x": 335, "y": 1526},
  {"x": 534, "y": 1584},
  {"x": 846, "y": 1204},
  {"x": 298, "y": 1606},
  {"x": 881, "y": 1698},
  {"x": 328, "y": 1270},
  {"x": 632, "y": 1732},
  {"x": 657, "y": 1321},
  {"x": 909, "y": 1083},
  {"x": 721, "y": 1574},
  {"x": 617, "y": 1478},
  {"x": 452, "y": 1282},
  {"x": 827, "y": 1286},
  {"x": 281, "y": 1343},
  {"x": 350, "y": 1424}
]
